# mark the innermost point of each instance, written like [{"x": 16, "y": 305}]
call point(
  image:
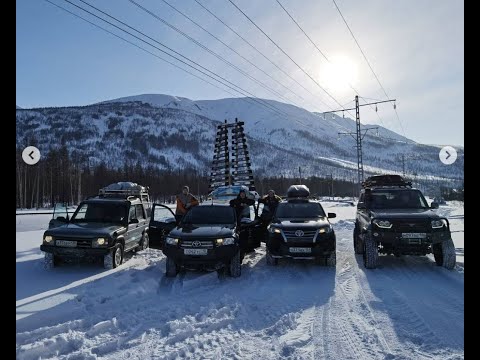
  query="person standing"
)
[
  {"x": 241, "y": 204},
  {"x": 185, "y": 201},
  {"x": 271, "y": 200}
]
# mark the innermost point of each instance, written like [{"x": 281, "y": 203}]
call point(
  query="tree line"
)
[{"x": 61, "y": 177}]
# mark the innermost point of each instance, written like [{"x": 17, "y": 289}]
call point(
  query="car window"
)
[
  {"x": 100, "y": 212},
  {"x": 139, "y": 212},
  {"x": 162, "y": 214},
  {"x": 397, "y": 199},
  {"x": 210, "y": 215},
  {"x": 132, "y": 214},
  {"x": 299, "y": 210}
]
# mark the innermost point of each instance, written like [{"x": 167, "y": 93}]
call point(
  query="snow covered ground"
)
[{"x": 407, "y": 308}]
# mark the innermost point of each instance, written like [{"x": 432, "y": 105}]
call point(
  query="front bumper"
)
[
  {"x": 396, "y": 242},
  {"x": 321, "y": 248},
  {"x": 66, "y": 252}
]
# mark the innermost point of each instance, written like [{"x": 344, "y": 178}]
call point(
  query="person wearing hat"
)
[
  {"x": 185, "y": 201},
  {"x": 240, "y": 203},
  {"x": 271, "y": 200}
]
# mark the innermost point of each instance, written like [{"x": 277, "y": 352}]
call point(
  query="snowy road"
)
[{"x": 407, "y": 308}]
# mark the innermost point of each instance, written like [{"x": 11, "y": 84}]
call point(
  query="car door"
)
[
  {"x": 162, "y": 221},
  {"x": 60, "y": 216},
  {"x": 134, "y": 230}
]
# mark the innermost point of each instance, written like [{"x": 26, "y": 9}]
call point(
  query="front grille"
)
[
  {"x": 199, "y": 244},
  {"x": 411, "y": 226},
  {"x": 307, "y": 236},
  {"x": 81, "y": 242}
]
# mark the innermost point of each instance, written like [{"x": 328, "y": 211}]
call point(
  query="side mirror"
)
[
  {"x": 133, "y": 221},
  {"x": 361, "y": 205},
  {"x": 331, "y": 215},
  {"x": 434, "y": 205},
  {"x": 62, "y": 219}
]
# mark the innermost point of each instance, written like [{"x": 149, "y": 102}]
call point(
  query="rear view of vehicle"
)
[
  {"x": 300, "y": 229},
  {"x": 394, "y": 218}
]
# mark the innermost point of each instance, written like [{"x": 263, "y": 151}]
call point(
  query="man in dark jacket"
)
[
  {"x": 240, "y": 203},
  {"x": 271, "y": 200}
]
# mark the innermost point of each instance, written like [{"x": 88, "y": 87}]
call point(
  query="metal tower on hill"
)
[{"x": 231, "y": 161}]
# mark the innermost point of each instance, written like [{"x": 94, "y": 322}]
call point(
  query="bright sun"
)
[{"x": 339, "y": 73}]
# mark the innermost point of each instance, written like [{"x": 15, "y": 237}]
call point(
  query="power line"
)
[
  {"x": 320, "y": 51},
  {"x": 223, "y": 82},
  {"x": 204, "y": 47},
  {"x": 247, "y": 99},
  {"x": 139, "y": 47},
  {"x": 370, "y": 66},
  {"x": 283, "y": 51},
  {"x": 228, "y": 46},
  {"x": 256, "y": 49}
]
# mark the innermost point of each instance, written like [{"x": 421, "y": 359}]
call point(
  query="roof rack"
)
[
  {"x": 386, "y": 180},
  {"x": 125, "y": 190}
]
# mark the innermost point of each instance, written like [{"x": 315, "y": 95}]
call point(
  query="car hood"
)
[
  {"x": 303, "y": 224},
  {"x": 401, "y": 214},
  {"x": 205, "y": 231},
  {"x": 85, "y": 230}
]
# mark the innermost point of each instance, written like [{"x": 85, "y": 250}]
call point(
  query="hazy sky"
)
[{"x": 416, "y": 48}]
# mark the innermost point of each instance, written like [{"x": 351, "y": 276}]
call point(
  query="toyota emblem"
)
[
  {"x": 299, "y": 233},
  {"x": 196, "y": 244}
]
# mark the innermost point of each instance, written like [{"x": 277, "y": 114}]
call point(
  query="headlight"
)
[
  {"x": 274, "y": 230},
  {"x": 99, "y": 242},
  {"x": 226, "y": 241},
  {"x": 384, "y": 224},
  {"x": 171, "y": 241},
  {"x": 48, "y": 239},
  {"x": 325, "y": 230},
  {"x": 437, "y": 224}
]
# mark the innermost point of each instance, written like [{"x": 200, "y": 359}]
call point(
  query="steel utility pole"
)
[{"x": 357, "y": 135}]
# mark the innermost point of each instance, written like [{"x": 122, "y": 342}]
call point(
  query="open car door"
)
[
  {"x": 60, "y": 216},
  {"x": 162, "y": 221}
]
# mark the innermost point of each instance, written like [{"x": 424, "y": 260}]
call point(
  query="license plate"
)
[
  {"x": 66, "y": 243},
  {"x": 300, "y": 250},
  {"x": 195, "y": 251},
  {"x": 414, "y": 235}
]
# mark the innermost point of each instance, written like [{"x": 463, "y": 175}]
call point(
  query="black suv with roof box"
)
[
  {"x": 300, "y": 229},
  {"x": 104, "y": 227},
  {"x": 394, "y": 218}
]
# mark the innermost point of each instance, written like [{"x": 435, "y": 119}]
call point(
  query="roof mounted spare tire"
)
[{"x": 296, "y": 191}]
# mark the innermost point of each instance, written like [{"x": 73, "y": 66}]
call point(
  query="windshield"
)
[
  {"x": 100, "y": 212},
  {"x": 396, "y": 199},
  {"x": 299, "y": 210},
  {"x": 210, "y": 215}
]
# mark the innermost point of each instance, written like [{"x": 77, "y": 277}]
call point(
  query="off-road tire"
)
[
  {"x": 370, "y": 252},
  {"x": 115, "y": 258},
  {"x": 171, "y": 268},
  {"x": 235, "y": 266}
]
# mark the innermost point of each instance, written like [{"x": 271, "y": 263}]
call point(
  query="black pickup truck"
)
[{"x": 209, "y": 237}]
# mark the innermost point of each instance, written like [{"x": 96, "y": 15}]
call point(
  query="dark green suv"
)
[
  {"x": 394, "y": 218},
  {"x": 104, "y": 227}
]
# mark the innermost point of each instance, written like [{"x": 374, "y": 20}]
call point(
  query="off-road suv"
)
[
  {"x": 104, "y": 227},
  {"x": 207, "y": 238},
  {"x": 300, "y": 229},
  {"x": 394, "y": 218}
]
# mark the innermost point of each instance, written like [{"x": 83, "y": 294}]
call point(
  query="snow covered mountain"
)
[{"x": 175, "y": 132}]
